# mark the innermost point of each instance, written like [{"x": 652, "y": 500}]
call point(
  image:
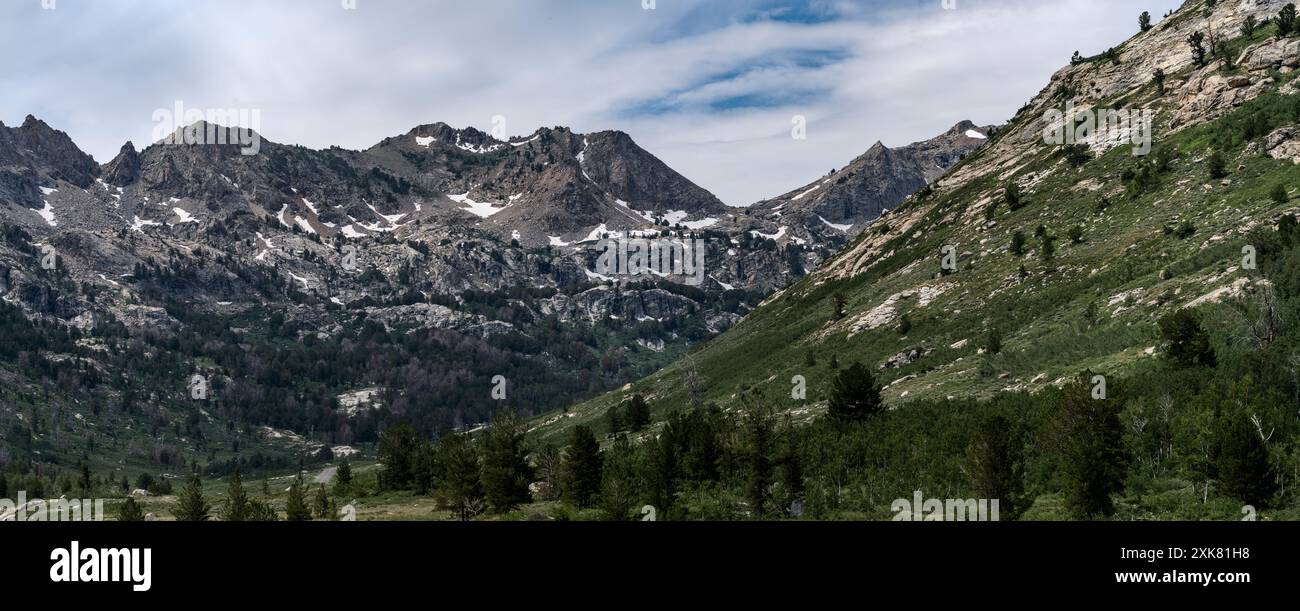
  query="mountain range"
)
[{"x": 477, "y": 246}]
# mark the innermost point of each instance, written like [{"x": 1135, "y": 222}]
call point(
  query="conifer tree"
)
[
  {"x": 1088, "y": 440},
  {"x": 1286, "y": 20},
  {"x": 615, "y": 420},
  {"x": 191, "y": 506},
  {"x": 459, "y": 487},
  {"x": 1144, "y": 21},
  {"x": 582, "y": 468},
  {"x": 618, "y": 487},
  {"x": 1279, "y": 194},
  {"x": 1189, "y": 344},
  {"x": 343, "y": 479},
  {"x": 638, "y": 414},
  {"x": 1242, "y": 462},
  {"x": 505, "y": 470},
  {"x": 791, "y": 463},
  {"x": 995, "y": 467},
  {"x": 1197, "y": 41},
  {"x": 322, "y": 506},
  {"x": 662, "y": 470},
  {"x": 235, "y": 508},
  {"x": 130, "y": 511},
  {"x": 758, "y": 424},
  {"x": 295, "y": 508},
  {"x": 550, "y": 472},
  {"x": 398, "y": 447},
  {"x": 855, "y": 396}
]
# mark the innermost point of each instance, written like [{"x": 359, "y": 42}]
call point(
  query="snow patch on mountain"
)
[
  {"x": 47, "y": 213},
  {"x": 479, "y": 209},
  {"x": 139, "y": 224},
  {"x": 304, "y": 224},
  {"x": 841, "y": 228},
  {"x": 184, "y": 216},
  {"x": 807, "y": 193}
]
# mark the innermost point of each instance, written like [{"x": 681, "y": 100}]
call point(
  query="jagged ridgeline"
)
[
  {"x": 1086, "y": 317},
  {"x": 221, "y": 301}
]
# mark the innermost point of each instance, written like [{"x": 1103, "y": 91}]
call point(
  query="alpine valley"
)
[{"x": 1085, "y": 330}]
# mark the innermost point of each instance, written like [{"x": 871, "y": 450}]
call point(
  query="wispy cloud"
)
[{"x": 710, "y": 86}]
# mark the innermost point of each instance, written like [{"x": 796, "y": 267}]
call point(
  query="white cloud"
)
[{"x": 325, "y": 76}]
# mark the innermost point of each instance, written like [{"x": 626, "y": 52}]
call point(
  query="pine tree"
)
[
  {"x": 1279, "y": 194},
  {"x": 322, "y": 506},
  {"x": 855, "y": 396},
  {"x": 398, "y": 447},
  {"x": 1286, "y": 20},
  {"x": 1088, "y": 440},
  {"x": 84, "y": 480},
  {"x": 1242, "y": 462},
  {"x": 582, "y": 468},
  {"x": 1218, "y": 166},
  {"x": 343, "y": 479},
  {"x": 618, "y": 487},
  {"x": 993, "y": 341},
  {"x": 662, "y": 465},
  {"x": 505, "y": 469},
  {"x": 1047, "y": 247},
  {"x": 235, "y": 508},
  {"x": 758, "y": 425},
  {"x": 1197, "y": 42},
  {"x": 840, "y": 302},
  {"x": 1189, "y": 344},
  {"x": 1015, "y": 199},
  {"x": 1249, "y": 26},
  {"x": 550, "y": 472},
  {"x": 638, "y": 414},
  {"x": 295, "y": 508},
  {"x": 995, "y": 467},
  {"x": 1018, "y": 243},
  {"x": 261, "y": 511},
  {"x": 791, "y": 463},
  {"x": 459, "y": 487},
  {"x": 1144, "y": 21},
  {"x": 190, "y": 504},
  {"x": 130, "y": 511},
  {"x": 615, "y": 420}
]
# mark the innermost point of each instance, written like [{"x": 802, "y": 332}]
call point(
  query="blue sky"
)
[{"x": 710, "y": 86}]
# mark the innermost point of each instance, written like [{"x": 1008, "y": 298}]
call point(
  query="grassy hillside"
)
[{"x": 1134, "y": 239}]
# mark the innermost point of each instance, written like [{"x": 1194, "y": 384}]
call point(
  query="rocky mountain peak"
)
[
  {"x": 46, "y": 154},
  {"x": 840, "y": 205},
  {"x": 124, "y": 168}
]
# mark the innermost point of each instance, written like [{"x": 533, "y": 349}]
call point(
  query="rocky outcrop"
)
[
  {"x": 1284, "y": 143},
  {"x": 1210, "y": 94},
  {"x": 1272, "y": 54}
]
